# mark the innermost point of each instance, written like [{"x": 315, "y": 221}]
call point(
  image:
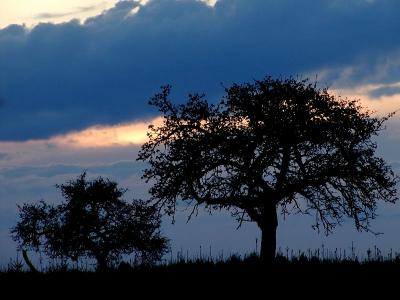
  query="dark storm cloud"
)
[{"x": 56, "y": 78}]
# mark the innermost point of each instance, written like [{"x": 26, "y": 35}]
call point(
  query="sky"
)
[{"x": 76, "y": 76}]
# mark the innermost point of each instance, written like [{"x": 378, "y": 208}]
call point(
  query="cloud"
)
[
  {"x": 35, "y": 170},
  {"x": 385, "y": 91},
  {"x": 379, "y": 98},
  {"x": 33, "y": 12},
  {"x": 73, "y": 94},
  {"x": 106, "y": 136},
  {"x": 388, "y": 140},
  {"x": 70, "y": 76},
  {"x": 211, "y": 3},
  {"x": 31, "y": 169},
  {"x": 86, "y": 147},
  {"x": 47, "y": 15}
]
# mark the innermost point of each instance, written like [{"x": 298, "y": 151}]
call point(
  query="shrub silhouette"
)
[
  {"x": 269, "y": 146},
  {"x": 93, "y": 222}
]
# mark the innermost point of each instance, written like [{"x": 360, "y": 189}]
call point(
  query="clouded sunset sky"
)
[{"x": 76, "y": 75}]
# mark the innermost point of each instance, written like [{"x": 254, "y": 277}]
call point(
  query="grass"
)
[
  {"x": 292, "y": 271},
  {"x": 286, "y": 258}
]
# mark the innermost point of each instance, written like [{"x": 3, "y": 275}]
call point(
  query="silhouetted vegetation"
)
[
  {"x": 275, "y": 145},
  {"x": 284, "y": 258},
  {"x": 269, "y": 146},
  {"x": 93, "y": 222},
  {"x": 311, "y": 272}
]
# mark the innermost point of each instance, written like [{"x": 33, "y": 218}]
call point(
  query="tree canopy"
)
[
  {"x": 268, "y": 146},
  {"x": 94, "y": 222}
]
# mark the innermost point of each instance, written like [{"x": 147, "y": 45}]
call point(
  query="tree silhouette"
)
[
  {"x": 94, "y": 222},
  {"x": 272, "y": 145}
]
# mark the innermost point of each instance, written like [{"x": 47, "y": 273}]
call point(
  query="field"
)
[{"x": 301, "y": 274}]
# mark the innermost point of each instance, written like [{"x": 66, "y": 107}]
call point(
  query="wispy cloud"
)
[
  {"x": 106, "y": 136},
  {"x": 77, "y": 11},
  {"x": 379, "y": 98},
  {"x": 389, "y": 90}
]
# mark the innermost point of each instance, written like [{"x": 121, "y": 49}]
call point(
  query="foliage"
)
[
  {"x": 94, "y": 222},
  {"x": 273, "y": 144}
]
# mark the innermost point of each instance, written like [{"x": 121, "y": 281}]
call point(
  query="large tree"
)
[
  {"x": 93, "y": 221},
  {"x": 268, "y": 146}
]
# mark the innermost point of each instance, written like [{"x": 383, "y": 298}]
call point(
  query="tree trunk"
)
[
  {"x": 268, "y": 228},
  {"x": 102, "y": 264},
  {"x": 28, "y": 262}
]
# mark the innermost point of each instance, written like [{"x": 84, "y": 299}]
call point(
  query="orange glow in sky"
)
[
  {"x": 107, "y": 136},
  {"x": 80, "y": 146},
  {"x": 381, "y": 105}
]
